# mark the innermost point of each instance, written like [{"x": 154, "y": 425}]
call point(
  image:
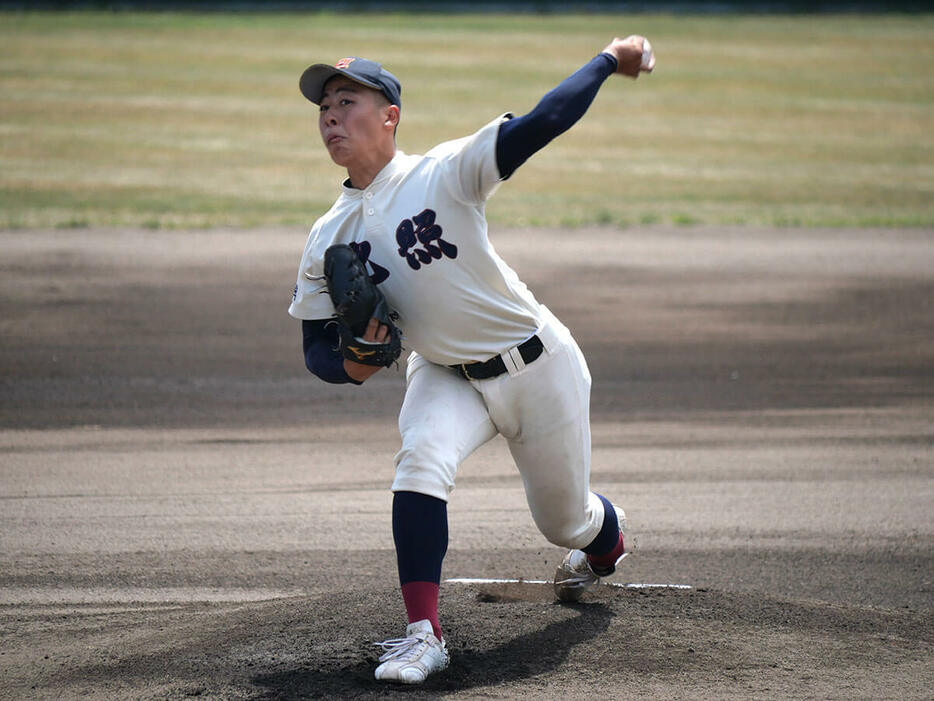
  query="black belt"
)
[{"x": 529, "y": 351}]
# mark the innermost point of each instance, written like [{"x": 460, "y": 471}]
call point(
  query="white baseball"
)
[{"x": 646, "y": 55}]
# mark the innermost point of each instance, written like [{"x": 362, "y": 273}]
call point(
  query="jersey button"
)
[
  {"x": 370, "y": 211},
  {"x": 369, "y": 195}
]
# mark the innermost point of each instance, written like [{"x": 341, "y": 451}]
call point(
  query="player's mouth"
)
[{"x": 333, "y": 139}]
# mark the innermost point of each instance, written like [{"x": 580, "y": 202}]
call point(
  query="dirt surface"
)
[{"x": 185, "y": 512}]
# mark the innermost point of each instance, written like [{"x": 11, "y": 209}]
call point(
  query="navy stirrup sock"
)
[
  {"x": 604, "y": 550},
  {"x": 420, "y": 532}
]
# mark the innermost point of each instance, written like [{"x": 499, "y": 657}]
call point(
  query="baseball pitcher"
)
[{"x": 403, "y": 258}]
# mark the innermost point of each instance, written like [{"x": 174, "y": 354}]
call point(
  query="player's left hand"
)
[
  {"x": 360, "y": 309},
  {"x": 633, "y": 55}
]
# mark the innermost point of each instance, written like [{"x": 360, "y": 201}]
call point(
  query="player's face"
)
[{"x": 352, "y": 120}]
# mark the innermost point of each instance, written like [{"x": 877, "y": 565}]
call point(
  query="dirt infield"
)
[{"x": 184, "y": 512}]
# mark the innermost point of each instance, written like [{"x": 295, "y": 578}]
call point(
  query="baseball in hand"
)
[{"x": 648, "y": 56}]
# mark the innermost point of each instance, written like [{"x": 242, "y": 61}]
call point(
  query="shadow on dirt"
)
[{"x": 522, "y": 657}]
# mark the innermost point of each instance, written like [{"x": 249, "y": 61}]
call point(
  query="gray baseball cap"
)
[{"x": 359, "y": 70}]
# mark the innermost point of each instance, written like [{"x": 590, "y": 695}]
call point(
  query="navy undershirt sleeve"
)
[
  {"x": 321, "y": 344},
  {"x": 557, "y": 112}
]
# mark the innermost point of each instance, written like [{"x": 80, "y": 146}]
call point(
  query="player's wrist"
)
[
  {"x": 610, "y": 55},
  {"x": 358, "y": 372}
]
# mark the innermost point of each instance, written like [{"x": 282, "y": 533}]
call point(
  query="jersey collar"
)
[{"x": 387, "y": 172}]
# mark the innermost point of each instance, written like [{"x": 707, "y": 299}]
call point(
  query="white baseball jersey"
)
[{"x": 421, "y": 229}]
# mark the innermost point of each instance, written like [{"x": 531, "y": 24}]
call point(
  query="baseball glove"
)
[{"x": 356, "y": 300}]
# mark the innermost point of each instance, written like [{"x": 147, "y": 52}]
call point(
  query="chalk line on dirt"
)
[{"x": 629, "y": 585}]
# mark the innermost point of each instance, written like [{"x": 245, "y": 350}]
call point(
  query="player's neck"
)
[{"x": 363, "y": 173}]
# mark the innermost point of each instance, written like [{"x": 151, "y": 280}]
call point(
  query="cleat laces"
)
[
  {"x": 402, "y": 649},
  {"x": 576, "y": 580}
]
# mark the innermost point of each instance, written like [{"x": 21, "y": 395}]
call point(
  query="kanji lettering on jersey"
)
[
  {"x": 362, "y": 250},
  {"x": 421, "y": 229}
]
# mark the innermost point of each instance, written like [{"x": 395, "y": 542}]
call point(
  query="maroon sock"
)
[
  {"x": 421, "y": 602},
  {"x": 602, "y": 562}
]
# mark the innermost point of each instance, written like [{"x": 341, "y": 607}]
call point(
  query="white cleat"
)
[
  {"x": 411, "y": 659},
  {"x": 575, "y": 576}
]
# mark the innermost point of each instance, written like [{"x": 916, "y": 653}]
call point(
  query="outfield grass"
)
[{"x": 177, "y": 120}]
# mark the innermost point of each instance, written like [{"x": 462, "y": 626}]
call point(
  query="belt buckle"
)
[{"x": 463, "y": 367}]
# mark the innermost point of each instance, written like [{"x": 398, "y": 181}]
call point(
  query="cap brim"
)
[{"x": 314, "y": 78}]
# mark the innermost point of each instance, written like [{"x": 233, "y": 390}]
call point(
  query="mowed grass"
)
[{"x": 187, "y": 120}]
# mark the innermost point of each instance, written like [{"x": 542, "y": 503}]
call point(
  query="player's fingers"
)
[
  {"x": 376, "y": 332},
  {"x": 372, "y": 331}
]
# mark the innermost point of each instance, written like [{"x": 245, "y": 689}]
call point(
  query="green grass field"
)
[{"x": 177, "y": 120}]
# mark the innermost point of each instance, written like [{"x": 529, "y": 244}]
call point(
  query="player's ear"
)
[{"x": 392, "y": 116}]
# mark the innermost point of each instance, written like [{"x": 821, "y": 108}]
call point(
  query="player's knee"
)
[
  {"x": 426, "y": 469},
  {"x": 565, "y": 533}
]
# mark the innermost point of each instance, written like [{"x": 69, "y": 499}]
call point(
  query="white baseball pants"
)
[{"x": 541, "y": 409}]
